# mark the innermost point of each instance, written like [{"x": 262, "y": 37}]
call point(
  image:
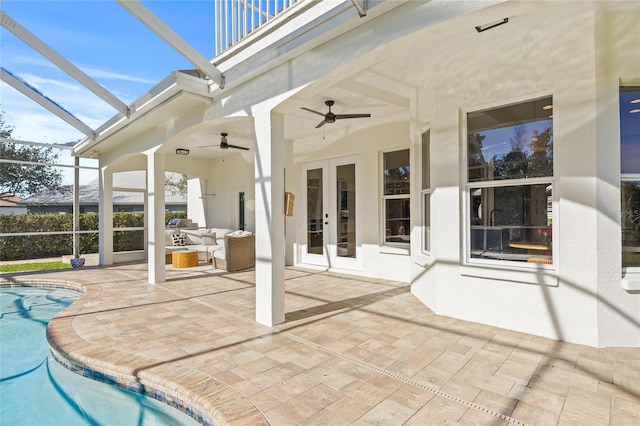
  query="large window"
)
[
  {"x": 426, "y": 192},
  {"x": 630, "y": 175},
  {"x": 396, "y": 196},
  {"x": 510, "y": 183}
]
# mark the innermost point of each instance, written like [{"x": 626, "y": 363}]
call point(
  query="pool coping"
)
[{"x": 84, "y": 358}]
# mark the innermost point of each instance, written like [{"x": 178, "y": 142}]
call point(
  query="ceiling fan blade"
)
[
  {"x": 207, "y": 146},
  {"x": 238, "y": 147},
  {"x": 339, "y": 116},
  {"x": 322, "y": 123},
  {"x": 315, "y": 112}
]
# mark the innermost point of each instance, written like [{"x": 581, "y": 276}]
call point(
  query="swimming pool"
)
[{"x": 36, "y": 390}]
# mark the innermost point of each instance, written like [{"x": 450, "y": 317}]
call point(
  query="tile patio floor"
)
[{"x": 352, "y": 351}]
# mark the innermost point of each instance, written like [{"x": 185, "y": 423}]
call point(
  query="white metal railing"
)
[{"x": 236, "y": 19}]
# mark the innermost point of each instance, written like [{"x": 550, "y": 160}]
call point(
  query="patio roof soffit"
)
[
  {"x": 41, "y": 47},
  {"x": 165, "y": 32},
  {"x": 175, "y": 89}
]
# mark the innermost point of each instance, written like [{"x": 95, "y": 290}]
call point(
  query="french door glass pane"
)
[
  {"x": 315, "y": 211},
  {"x": 346, "y": 214}
]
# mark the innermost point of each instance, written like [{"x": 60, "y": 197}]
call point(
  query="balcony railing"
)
[{"x": 236, "y": 19}]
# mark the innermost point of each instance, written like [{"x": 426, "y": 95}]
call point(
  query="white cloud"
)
[
  {"x": 33, "y": 122},
  {"x": 111, "y": 75}
]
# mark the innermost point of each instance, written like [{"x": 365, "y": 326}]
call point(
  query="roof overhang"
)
[{"x": 179, "y": 92}]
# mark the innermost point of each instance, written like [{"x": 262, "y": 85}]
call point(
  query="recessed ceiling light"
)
[
  {"x": 547, "y": 107},
  {"x": 635, "y": 101},
  {"x": 182, "y": 151},
  {"x": 633, "y": 111}
]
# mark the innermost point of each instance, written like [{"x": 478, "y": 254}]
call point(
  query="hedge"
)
[{"x": 44, "y": 246}]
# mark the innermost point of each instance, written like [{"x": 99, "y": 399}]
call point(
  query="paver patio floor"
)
[{"x": 353, "y": 350}]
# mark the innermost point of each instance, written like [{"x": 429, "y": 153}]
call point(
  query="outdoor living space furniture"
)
[
  {"x": 184, "y": 258},
  {"x": 199, "y": 240},
  {"x": 237, "y": 252},
  {"x": 227, "y": 249}
]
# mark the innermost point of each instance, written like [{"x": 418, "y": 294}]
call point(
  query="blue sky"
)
[{"x": 103, "y": 40}]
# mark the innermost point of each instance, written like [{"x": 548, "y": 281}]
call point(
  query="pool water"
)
[{"x": 36, "y": 390}]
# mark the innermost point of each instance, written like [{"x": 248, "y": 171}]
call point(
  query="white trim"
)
[
  {"x": 382, "y": 235},
  {"x": 329, "y": 257},
  {"x": 466, "y": 185}
]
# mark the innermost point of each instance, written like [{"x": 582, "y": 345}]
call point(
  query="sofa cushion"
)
[
  {"x": 192, "y": 236},
  {"x": 218, "y": 252},
  {"x": 168, "y": 241},
  {"x": 240, "y": 234},
  {"x": 209, "y": 239},
  {"x": 178, "y": 240},
  {"x": 220, "y": 233}
]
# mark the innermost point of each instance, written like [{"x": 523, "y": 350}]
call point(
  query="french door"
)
[{"x": 331, "y": 235}]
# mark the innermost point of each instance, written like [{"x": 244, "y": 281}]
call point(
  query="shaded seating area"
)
[{"x": 237, "y": 253}]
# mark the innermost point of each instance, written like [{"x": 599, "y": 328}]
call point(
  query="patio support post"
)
[
  {"x": 105, "y": 215},
  {"x": 269, "y": 215},
  {"x": 155, "y": 216},
  {"x": 76, "y": 206}
]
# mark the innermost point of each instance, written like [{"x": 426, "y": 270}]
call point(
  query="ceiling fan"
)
[
  {"x": 330, "y": 117},
  {"x": 224, "y": 144}
]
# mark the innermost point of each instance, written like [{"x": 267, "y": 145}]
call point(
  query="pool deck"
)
[{"x": 353, "y": 350}]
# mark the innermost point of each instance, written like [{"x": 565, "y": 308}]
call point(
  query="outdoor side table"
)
[{"x": 184, "y": 258}]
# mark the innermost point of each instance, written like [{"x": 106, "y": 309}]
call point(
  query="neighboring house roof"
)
[
  {"x": 10, "y": 201},
  {"x": 90, "y": 194}
]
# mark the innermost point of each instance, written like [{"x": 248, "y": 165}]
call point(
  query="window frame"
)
[
  {"x": 626, "y": 177},
  {"x": 425, "y": 191},
  {"x": 467, "y": 185},
  {"x": 384, "y": 198}
]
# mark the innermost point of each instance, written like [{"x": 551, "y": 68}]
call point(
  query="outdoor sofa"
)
[{"x": 227, "y": 249}]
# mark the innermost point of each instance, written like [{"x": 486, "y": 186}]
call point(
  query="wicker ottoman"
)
[{"x": 184, "y": 258}]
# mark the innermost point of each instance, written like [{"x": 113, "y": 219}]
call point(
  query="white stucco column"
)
[
  {"x": 155, "y": 216},
  {"x": 105, "y": 215},
  {"x": 269, "y": 215}
]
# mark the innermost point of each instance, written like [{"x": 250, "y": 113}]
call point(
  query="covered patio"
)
[{"x": 352, "y": 350}]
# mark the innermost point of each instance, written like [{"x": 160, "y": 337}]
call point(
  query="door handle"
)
[{"x": 326, "y": 223}]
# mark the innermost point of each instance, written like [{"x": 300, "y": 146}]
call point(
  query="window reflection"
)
[
  {"x": 514, "y": 142},
  {"x": 510, "y": 216},
  {"x": 630, "y": 170}
]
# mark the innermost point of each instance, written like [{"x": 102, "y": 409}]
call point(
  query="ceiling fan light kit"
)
[{"x": 330, "y": 117}]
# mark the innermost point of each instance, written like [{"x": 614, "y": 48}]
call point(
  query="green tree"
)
[
  {"x": 176, "y": 183},
  {"x": 476, "y": 161},
  {"x": 25, "y": 178}
]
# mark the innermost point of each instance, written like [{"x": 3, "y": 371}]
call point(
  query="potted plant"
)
[
  {"x": 84, "y": 246},
  {"x": 77, "y": 261}
]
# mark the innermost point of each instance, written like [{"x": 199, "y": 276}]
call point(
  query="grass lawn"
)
[{"x": 24, "y": 267}]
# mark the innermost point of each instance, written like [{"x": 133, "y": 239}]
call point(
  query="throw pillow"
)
[
  {"x": 209, "y": 239},
  {"x": 178, "y": 240}
]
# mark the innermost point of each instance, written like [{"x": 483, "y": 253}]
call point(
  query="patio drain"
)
[{"x": 431, "y": 389}]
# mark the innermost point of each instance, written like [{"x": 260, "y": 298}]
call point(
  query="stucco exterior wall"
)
[
  {"x": 581, "y": 300},
  {"x": 223, "y": 180}
]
